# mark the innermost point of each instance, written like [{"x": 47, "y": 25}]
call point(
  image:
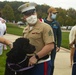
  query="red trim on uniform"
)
[
  {"x": 40, "y": 19},
  {"x": 45, "y": 68}
]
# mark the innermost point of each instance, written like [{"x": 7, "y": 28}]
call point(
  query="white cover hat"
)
[{"x": 27, "y": 6}]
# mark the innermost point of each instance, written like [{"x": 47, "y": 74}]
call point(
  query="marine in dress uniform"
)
[{"x": 41, "y": 36}]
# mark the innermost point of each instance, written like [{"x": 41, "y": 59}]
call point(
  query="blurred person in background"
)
[
  {"x": 2, "y": 31},
  {"x": 72, "y": 44},
  {"x": 51, "y": 20}
]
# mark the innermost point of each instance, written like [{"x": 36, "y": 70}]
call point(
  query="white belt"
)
[{"x": 41, "y": 61}]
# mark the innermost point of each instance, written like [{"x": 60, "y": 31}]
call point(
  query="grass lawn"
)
[
  {"x": 14, "y": 29},
  {"x": 65, "y": 40},
  {"x": 3, "y": 61}
]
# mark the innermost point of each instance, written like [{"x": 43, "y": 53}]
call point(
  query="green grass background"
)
[
  {"x": 65, "y": 40},
  {"x": 14, "y": 29}
]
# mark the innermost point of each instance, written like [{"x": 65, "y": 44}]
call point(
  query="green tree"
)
[
  {"x": 72, "y": 13},
  {"x": 42, "y": 10},
  {"x": 62, "y": 13},
  {"x": 69, "y": 21},
  {"x": 60, "y": 20},
  {"x": 11, "y": 12},
  {"x": 8, "y": 12}
]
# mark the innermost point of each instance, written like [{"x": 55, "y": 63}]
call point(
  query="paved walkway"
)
[
  {"x": 62, "y": 61},
  {"x": 11, "y": 37}
]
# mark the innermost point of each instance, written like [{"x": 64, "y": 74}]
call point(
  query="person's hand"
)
[
  {"x": 32, "y": 61},
  {"x": 3, "y": 21},
  {"x": 57, "y": 49},
  {"x": 11, "y": 45}
]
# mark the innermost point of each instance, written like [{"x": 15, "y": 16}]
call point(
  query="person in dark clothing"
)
[{"x": 52, "y": 12}]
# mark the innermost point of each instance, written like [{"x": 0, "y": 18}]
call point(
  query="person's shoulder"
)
[
  {"x": 42, "y": 25},
  {"x": 73, "y": 28},
  {"x": 1, "y": 18},
  {"x": 45, "y": 26},
  {"x": 26, "y": 27}
]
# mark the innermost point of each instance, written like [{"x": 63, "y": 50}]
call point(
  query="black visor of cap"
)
[{"x": 29, "y": 12}]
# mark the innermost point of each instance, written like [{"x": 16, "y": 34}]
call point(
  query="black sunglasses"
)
[{"x": 29, "y": 12}]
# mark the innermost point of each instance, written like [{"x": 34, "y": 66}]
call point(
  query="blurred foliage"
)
[{"x": 11, "y": 13}]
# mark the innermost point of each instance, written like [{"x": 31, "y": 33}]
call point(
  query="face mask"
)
[
  {"x": 31, "y": 19},
  {"x": 53, "y": 16}
]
